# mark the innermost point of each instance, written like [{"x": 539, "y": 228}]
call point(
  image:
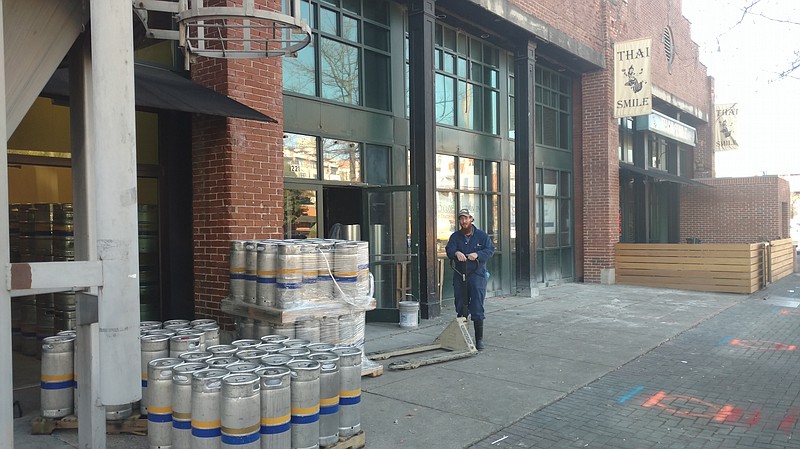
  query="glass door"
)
[{"x": 391, "y": 229}]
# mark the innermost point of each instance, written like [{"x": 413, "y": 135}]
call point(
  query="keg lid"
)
[
  {"x": 210, "y": 373},
  {"x": 270, "y": 348},
  {"x": 241, "y": 379},
  {"x": 276, "y": 359},
  {"x": 221, "y": 362},
  {"x": 320, "y": 347},
  {"x": 150, "y": 338},
  {"x": 296, "y": 343},
  {"x": 303, "y": 365},
  {"x": 273, "y": 372},
  {"x": 58, "y": 339},
  {"x": 295, "y": 353},
  {"x": 274, "y": 338},
  {"x": 245, "y": 342},
  {"x": 182, "y": 374},
  {"x": 222, "y": 349},
  {"x": 202, "y": 321},
  {"x": 195, "y": 356},
  {"x": 242, "y": 367}
]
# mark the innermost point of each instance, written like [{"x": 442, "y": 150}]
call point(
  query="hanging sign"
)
[
  {"x": 726, "y": 122},
  {"x": 632, "y": 86}
]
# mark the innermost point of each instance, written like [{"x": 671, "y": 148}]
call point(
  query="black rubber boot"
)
[{"x": 478, "y": 334}]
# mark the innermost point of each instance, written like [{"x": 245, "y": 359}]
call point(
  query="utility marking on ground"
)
[
  {"x": 630, "y": 394},
  {"x": 677, "y": 404},
  {"x": 763, "y": 345},
  {"x": 789, "y": 421},
  {"x": 725, "y": 340}
]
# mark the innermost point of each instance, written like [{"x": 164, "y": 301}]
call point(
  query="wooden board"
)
[
  {"x": 278, "y": 316},
  {"x": 356, "y": 441},
  {"x": 372, "y": 372},
  {"x": 136, "y": 425}
]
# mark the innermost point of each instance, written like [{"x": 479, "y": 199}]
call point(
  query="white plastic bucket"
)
[{"x": 409, "y": 314}]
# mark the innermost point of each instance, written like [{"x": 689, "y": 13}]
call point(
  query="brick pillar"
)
[
  {"x": 237, "y": 172},
  {"x": 600, "y": 175}
]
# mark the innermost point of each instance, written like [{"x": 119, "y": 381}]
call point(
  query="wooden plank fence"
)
[{"x": 729, "y": 268}]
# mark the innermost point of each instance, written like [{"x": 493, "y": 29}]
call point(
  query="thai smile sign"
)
[{"x": 632, "y": 85}]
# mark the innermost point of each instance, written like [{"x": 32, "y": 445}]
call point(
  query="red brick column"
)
[
  {"x": 600, "y": 175},
  {"x": 237, "y": 172}
]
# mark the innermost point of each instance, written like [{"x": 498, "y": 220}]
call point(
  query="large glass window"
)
[
  {"x": 299, "y": 213},
  {"x": 625, "y": 148},
  {"x": 657, "y": 152},
  {"x": 341, "y": 160},
  {"x": 553, "y": 109},
  {"x": 467, "y": 81},
  {"x": 311, "y": 157},
  {"x": 554, "y": 224},
  {"x": 348, "y": 60}
]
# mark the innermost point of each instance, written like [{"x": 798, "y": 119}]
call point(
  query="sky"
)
[{"x": 745, "y": 56}]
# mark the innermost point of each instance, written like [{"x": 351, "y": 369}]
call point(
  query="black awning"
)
[
  {"x": 661, "y": 175},
  {"x": 162, "y": 89}
]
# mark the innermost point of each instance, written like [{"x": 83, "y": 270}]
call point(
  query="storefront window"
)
[
  {"x": 341, "y": 160},
  {"x": 352, "y": 50},
  {"x": 299, "y": 156},
  {"x": 299, "y": 214},
  {"x": 553, "y": 109}
]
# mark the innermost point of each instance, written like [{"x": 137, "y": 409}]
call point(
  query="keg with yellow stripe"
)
[
  {"x": 153, "y": 346},
  {"x": 276, "y": 407},
  {"x": 57, "y": 376},
  {"x": 328, "y": 397},
  {"x": 349, "y": 390},
  {"x": 266, "y": 268},
  {"x": 206, "y": 425},
  {"x": 305, "y": 403},
  {"x": 182, "y": 403},
  {"x": 237, "y": 270},
  {"x": 240, "y": 411},
  {"x": 159, "y": 401}
]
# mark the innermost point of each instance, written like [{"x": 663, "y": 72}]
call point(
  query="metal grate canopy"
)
[{"x": 246, "y": 31}]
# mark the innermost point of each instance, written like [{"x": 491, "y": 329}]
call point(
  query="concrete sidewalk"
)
[{"x": 539, "y": 350}]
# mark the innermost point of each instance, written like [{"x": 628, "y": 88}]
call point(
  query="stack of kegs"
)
[
  {"x": 287, "y": 274},
  {"x": 267, "y": 392}
]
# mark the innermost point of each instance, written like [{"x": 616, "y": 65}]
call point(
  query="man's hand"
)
[
  {"x": 472, "y": 256},
  {"x": 460, "y": 256}
]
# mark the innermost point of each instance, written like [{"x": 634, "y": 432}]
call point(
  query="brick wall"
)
[
  {"x": 598, "y": 24},
  {"x": 736, "y": 210},
  {"x": 237, "y": 172}
]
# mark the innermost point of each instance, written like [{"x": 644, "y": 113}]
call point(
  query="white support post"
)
[
  {"x": 112, "y": 184},
  {"x": 6, "y": 370}
]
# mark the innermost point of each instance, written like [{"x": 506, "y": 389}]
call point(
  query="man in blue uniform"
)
[{"x": 470, "y": 247}]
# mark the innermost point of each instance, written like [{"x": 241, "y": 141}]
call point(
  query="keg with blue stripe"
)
[
  {"x": 276, "y": 407},
  {"x": 153, "y": 346},
  {"x": 182, "y": 403},
  {"x": 289, "y": 280},
  {"x": 237, "y": 270},
  {"x": 328, "y": 397},
  {"x": 325, "y": 269},
  {"x": 57, "y": 374},
  {"x": 266, "y": 268},
  {"x": 240, "y": 411},
  {"x": 206, "y": 425},
  {"x": 305, "y": 403},
  {"x": 159, "y": 401},
  {"x": 309, "y": 256},
  {"x": 349, "y": 391},
  {"x": 250, "y": 272}
]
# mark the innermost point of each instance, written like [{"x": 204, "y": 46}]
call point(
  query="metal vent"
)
[{"x": 669, "y": 48}]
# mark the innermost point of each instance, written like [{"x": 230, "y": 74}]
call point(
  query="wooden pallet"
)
[
  {"x": 356, "y": 441},
  {"x": 136, "y": 425},
  {"x": 372, "y": 372}
]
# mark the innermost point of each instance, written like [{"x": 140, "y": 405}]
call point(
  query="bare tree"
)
[{"x": 753, "y": 8}]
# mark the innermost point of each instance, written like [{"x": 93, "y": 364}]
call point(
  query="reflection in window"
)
[
  {"x": 299, "y": 214},
  {"x": 554, "y": 225},
  {"x": 340, "y": 71},
  {"x": 445, "y": 217},
  {"x": 553, "y": 109},
  {"x": 378, "y": 160},
  {"x": 469, "y": 174},
  {"x": 299, "y": 156},
  {"x": 341, "y": 160},
  {"x": 353, "y": 53},
  {"x": 445, "y": 172},
  {"x": 445, "y": 95}
]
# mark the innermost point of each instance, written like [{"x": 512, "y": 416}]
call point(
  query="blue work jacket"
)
[{"x": 479, "y": 243}]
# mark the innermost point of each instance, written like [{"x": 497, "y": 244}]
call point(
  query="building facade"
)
[{"x": 402, "y": 112}]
